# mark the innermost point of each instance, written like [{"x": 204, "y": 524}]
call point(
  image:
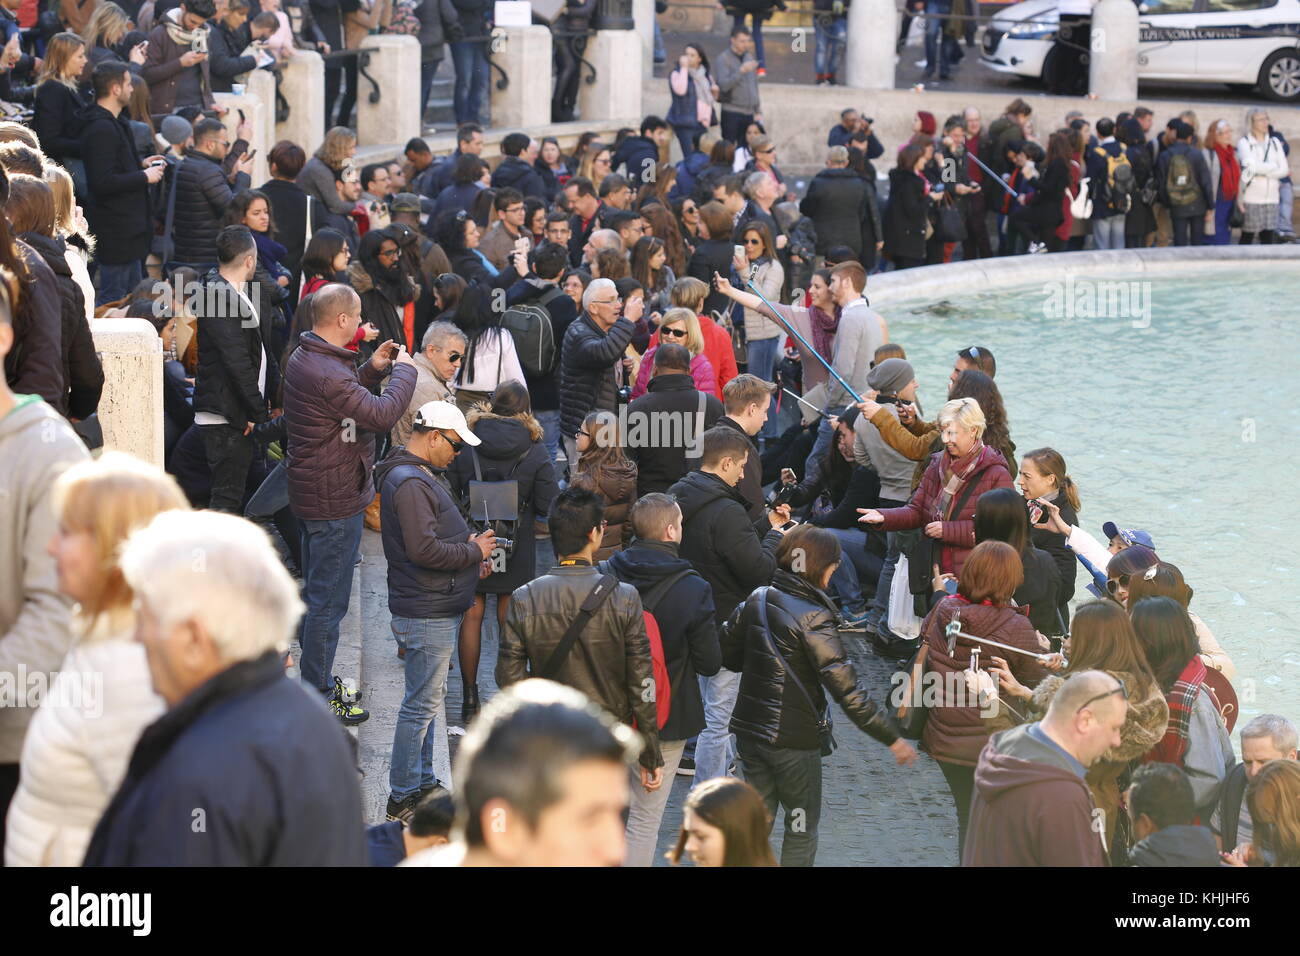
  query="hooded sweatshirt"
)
[
  {"x": 1031, "y": 806},
  {"x": 1177, "y": 846},
  {"x": 36, "y": 445},
  {"x": 684, "y": 614}
]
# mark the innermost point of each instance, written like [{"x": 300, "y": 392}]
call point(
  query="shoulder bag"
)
[
  {"x": 591, "y": 604},
  {"x": 825, "y": 728}
]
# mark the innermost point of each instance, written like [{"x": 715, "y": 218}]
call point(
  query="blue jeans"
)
[
  {"x": 471, "y": 64},
  {"x": 832, "y": 33},
  {"x": 1108, "y": 233},
  {"x": 549, "y": 419},
  {"x": 329, "y": 555},
  {"x": 117, "y": 281},
  {"x": 420, "y": 754},
  {"x": 937, "y": 45},
  {"x": 761, "y": 356},
  {"x": 822, "y": 443},
  {"x": 857, "y": 565},
  {"x": 660, "y": 54},
  {"x": 1286, "y": 196},
  {"x": 756, "y": 26},
  {"x": 715, "y": 748}
]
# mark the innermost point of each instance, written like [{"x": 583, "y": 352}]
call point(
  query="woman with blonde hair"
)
[
  {"x": 603, "y": 467},
  {"x": 679, "y": 327},
  {"x": 317, "y": 176},
  {"x": 595, "y": 163},
  {"x": 1274, "y": 802},
  {"x": 58, "y": 101},
  {"x": 104, "y": 33},
  {"x": 1263, "y": 167},
  {"x": 84, "y": 732},
  {"x": 70, "y": 226}
]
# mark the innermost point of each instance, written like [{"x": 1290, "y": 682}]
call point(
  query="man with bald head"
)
[
  {"x": 1032, "y": 806},
  {"x": 332, "y": 418}
]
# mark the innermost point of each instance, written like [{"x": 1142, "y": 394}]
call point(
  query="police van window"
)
[
  {"x": 1157, "y": 8},
  {"x": 1237, "y": 6}
]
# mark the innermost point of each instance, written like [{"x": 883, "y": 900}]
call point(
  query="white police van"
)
[{"x": 1247, "y": 44}]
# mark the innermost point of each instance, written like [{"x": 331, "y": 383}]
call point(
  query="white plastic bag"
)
[{"x": 903, "y": 621}]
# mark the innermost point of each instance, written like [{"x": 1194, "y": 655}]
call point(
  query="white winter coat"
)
[
  {"x": 1263, "y": 167},
  {"x": 78, "y": 746}
]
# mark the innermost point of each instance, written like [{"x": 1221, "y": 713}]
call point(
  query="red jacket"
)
[
  {"x": 958, "y": 529},
  {"x": 956, "y": 734},
  {"x": 1030, "y": 807}
]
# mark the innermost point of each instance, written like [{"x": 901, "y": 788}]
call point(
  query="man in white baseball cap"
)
[{"x": 433, "y": 565}]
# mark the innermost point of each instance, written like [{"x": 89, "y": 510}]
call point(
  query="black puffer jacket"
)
[
  {"x": 34, "y": 365},
  {"x": 202, "y": 196},
  {"x": 587, "y": 360},
  {"x": 432, "y": 564},
  {"x": 514, "y": 173},
  {"x": 770, "y": 706},
  {"x": 609, "y": 662},
  {"x": 686, "y": 627},
  {"x": 83, "y": 375},
  {"x": 720, "y": 542}
]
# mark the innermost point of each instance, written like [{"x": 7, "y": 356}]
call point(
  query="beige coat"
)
[{"x": 428, "y": 388}]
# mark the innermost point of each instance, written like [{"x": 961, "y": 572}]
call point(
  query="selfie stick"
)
[
  {"x": 954, "y": 631},
  {"x": 800, "y": 400},
  {"x": 998, "y": 179},
  {"x": 753, "y": 286}
]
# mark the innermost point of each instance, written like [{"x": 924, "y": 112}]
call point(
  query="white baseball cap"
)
[{"x": 446, "y": 415}]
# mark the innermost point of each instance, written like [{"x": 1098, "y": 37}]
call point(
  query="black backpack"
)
[{"x": 529, "y": 324}]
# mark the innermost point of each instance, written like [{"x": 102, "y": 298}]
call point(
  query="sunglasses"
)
[
  {"x": 454, "y": 357},
  {"x": 1122, "y": 690},
  {"x": 675, "y": 333},
  {"x": 753, "y": 242},
  {"x": 456, "y": 445},
  {"x": 1122, "y": 581}
]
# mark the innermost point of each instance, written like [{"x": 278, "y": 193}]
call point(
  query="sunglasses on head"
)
[{"x": 1122, "y": 690}]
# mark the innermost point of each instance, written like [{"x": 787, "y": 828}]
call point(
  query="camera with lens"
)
[
  {"x": 502, "y": 531},
  {"x": 625, "y": 394},
  {"x": 890, "y": 400},
  {"x": 781, "y": 495},
  {"x": 200, "y": 42}
]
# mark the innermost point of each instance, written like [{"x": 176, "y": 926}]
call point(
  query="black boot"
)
[{"x": 469, "y": 703}]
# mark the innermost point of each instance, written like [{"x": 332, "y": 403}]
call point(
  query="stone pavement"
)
[{"x": 874, "y": 813}]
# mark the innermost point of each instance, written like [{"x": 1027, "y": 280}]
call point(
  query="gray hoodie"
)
[
  {"x": 36, "y": 445},
  {"x": 895, "y": 470}
]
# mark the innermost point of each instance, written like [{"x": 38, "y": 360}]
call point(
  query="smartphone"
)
[
  {"x": 251, "y": 153},
  {"x": 242, "y": 118},
  {"x": 738, "y": 252},
  {"x": 788, "y": 525},
  {"x": 950, "y": 586}
]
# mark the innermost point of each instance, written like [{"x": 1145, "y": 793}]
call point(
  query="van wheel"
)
[{"x": 1279, "y": 77}]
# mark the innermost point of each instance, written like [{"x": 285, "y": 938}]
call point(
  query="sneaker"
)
[
  {"x": 349, "y": 713},
  {"x": 687, "y": 767},
  {"x": 922, "y": 63},
  {"x": 345, "y": 691},
  {"x": 1035, "y": 248},
  {"x": 403, "y": 810},
  {"x": 855, "y": 621}
]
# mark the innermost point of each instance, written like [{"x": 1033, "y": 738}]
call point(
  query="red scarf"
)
[
  {"x": 1181, "y": 697},
  {"x": 824, "y": 327},
  {"x": 1230, "y": 171}
]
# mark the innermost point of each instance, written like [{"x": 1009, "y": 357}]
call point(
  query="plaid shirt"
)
[{"x": 1181, "y": 697}]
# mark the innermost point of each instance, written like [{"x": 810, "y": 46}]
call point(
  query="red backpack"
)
[{"x": 658, "y": 663}]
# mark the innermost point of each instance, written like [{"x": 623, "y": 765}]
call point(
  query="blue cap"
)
[{"x": 1130, "y": 536}]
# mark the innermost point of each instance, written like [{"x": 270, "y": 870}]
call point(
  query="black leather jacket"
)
[
  {"x": 770, "y": 706},
  {"x": 609, "y": 662}
]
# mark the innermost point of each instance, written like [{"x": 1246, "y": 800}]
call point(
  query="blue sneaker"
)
[{"x": 855, "y": 620}]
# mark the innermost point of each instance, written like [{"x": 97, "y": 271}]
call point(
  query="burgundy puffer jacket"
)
[
  {"x": 328, "y": 410},
  {"x": 957, "y": 734},
  {"x": 958, "y": 529}
]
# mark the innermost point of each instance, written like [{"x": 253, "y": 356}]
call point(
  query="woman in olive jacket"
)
[{"x": 785, "y": 663}]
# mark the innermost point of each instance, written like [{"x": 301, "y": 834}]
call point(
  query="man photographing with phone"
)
[
  {"x": 176, "y": 61},
  {"x": 332, "y": 418}
]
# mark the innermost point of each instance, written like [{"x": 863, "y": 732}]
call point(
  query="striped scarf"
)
[{"x": 1181, "y": 698}]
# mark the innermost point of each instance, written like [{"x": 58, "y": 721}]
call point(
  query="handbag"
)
[
  {"x": 1237, "y": 217},
  {"x": 825, "y": 727},
  {"x": 590, "y": 605},
  {"x": 911, "y": 712},
  {"x": 950, "y": 225}
]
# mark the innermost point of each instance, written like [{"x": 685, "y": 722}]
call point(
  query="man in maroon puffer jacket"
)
[{"x": 332, "y": 418}]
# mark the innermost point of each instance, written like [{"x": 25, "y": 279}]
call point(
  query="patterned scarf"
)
[
  {"x": 1181, "y": 697},
  {"x": 824, "y": 327}
]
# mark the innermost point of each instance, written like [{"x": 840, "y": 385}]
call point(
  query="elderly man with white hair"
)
[
  {"x": 436, "y": 365},
  {"x": 1266, "y": 738},
  {"x": 591, "y": 366},
  {"x": 246, "y": 767}
]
